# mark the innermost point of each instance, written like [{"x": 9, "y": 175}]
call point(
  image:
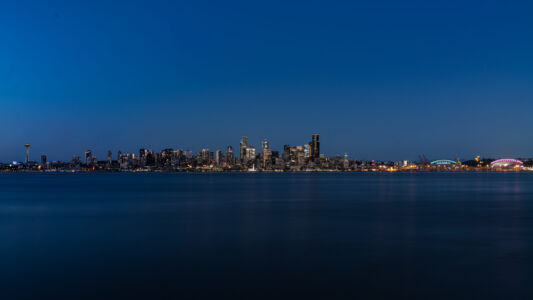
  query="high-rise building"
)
[
  {"x": 88, "y": 157},
  {"x": 250, "y": 153},
  {"x": 242, "y": 148},
  {"x": 229, "y": 156},
  {"x": 43, "y": 160},
  {"x": 346, "y": 163},
  {"x": 266, "y": 153},
  {"x": 166, "y": 156},
  {"x": 315, "y": 146},
  {"x": 151, "y": 158},
  {"x": 204, "y": 156},
  {"x": 27, "y": 153},
  {"x": 218, "y": 157},
  {"x": 109, "y": 157},
  {"x": 286, "y": 156},
  {"x": 142, "y": 157}
]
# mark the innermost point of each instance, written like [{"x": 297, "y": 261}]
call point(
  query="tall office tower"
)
[
  {"x": 218, "y": 157},
  {"x": 88, "y": 157},
  {"x": 204, "y": 156},
  {"x": 43, "y": 160},
  {"x": 346, "y": 163},
  {"x": 250, "y": 153},
  {"x": 307, "y": 150},
  {"x": 150, "y": 158},
  {"x": 166, "y": 156},
  {"x": 286, "y": 153},
  {"x": 27, "y": 153},
  {"x": 143, "y": 153},
  {"x": 265, "y": 145},
  {"x": 229, "y": 156},
  {"x": 242, "y": 148},
  {"x": 266, "y": 153},
  {"x": 109, "y": 157},
  {"x": 315, "y": 146},
  {"x": 298, "y": 155}
]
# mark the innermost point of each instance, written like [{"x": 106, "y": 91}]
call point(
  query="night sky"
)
[{"x": 377, "y": 79}]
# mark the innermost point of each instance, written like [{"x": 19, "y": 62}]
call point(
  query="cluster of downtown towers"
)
[{"x": 291, "y": 158}]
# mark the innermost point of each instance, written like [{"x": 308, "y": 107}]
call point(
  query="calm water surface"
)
[{"x": 249, "y": 236}]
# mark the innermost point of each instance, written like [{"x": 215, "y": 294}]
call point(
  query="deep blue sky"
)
[{"x": 377, "y": 79}]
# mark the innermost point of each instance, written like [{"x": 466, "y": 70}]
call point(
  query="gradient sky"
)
[{"x": 377, "y": 79}]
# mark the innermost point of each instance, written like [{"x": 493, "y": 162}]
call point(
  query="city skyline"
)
[
  {"x": 259, "y": 146},
  {"x": 246, "y": 151}
]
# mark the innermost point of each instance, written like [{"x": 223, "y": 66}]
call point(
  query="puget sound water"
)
[{"x": 270, "y": 236}]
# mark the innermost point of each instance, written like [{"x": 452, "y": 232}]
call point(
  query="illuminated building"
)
[
  {"x": 249, "y": 153},
  {"x": 286, "y": 156},
  {"x": 88, "y": 157},
  {"x": 204, "y": 156},
  {"x": 142, "y": 157},
  {"x": 266, "y": 153},
  {"x": 218, "y": 157},
  {"x": 346, "y": 163},
  {"x": 229, "y": 156},
  {"x": 242, "y": 148},
  {"x": 315, "y": 146}
]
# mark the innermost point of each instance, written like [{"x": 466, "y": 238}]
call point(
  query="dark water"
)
[{"x": 249, "y": 236}]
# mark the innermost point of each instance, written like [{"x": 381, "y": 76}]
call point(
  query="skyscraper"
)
[
  {"x": 346, "y": 163},
  {"x": 109, "y": 157},
  {"x": 88, "y": 157},
  {"x": 242, "y": 148},
  {"x": 250, "y": 154},
  {"x": 43, "y": 160},
  {"x": 27, "y": 153},
  {"x": 266, "y": 153},
  {"x": 229, "y": 156},
  {"x": 286, "y": 156},
  {"x": 218, "y": 157},
  {"x": 315, "y": 146},
  {"x": 204, "y": 156}
]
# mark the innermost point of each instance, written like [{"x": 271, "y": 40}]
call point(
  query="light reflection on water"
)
[{"x": 266, "y": 235}]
